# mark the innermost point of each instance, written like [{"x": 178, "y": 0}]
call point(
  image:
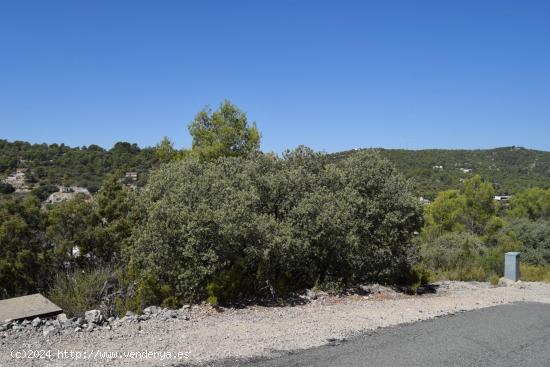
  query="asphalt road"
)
[{"x": 507, "y": 335}]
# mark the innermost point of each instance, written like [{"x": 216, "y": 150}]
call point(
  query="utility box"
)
[{"x": 511, "y": 266}]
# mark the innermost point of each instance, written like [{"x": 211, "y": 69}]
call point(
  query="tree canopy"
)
[{"x": 223, "y": 133}]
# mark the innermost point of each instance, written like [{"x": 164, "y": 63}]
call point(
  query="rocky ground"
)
[{"x": 202, "y": 334}]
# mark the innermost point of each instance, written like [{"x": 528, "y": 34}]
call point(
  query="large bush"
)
[
  {"x": 238, "y": 227},
  {"x": 535, "y": 238},
  {"x": 462, "y": 256},
  {"x": 24, "y": 258}
]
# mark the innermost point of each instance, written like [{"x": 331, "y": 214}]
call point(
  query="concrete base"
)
[{"x": 27, "y": 307}]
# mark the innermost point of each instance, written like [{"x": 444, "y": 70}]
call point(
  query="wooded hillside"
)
[{"x": 510, "y": 169}]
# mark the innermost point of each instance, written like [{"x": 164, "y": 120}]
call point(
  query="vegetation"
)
[
  {"x": 510, "y": 169},
  {"x": 36, "y": 243},
  {"x": 80, "y": 290},
  {"x": 236, "y": 227},
  {"x": 58, "y": 164},
  {"x": 223, "y": 221},
  {"x": 24, "y": 257},
  {"x": 223, "y": 133},
  {"x": 6, "y": 188},
  {"x": 466, "y": 233}
]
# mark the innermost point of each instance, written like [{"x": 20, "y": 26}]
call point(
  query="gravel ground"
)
[{"x": 213, "y": 334}]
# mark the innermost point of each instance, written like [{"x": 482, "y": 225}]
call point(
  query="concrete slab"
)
[{"x": 27, "y": 307}]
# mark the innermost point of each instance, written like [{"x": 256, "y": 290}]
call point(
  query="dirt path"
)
[{"x": 212, "y": 334}]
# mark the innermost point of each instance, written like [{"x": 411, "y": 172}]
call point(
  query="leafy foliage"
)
[
  {"x": 469, "y": 209},
  {"x": 6, "y": 188},
  {"x": 532, "y": 203},
  {"x": 36, "y": 242},
  {"x": 238, "y": 227},
  {"x": 223, "y": 133},
  {"x": 165, "y": 150},
  {"x": 535, "y": 239},
  {"x": 23, "y": 256},
  {"x": 465, "y": 238},
  {"x": 509, "y": 169},
  {"x": 58, "y": 164}
]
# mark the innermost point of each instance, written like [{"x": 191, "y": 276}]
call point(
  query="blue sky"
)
[{"x": 331, "y": 75}]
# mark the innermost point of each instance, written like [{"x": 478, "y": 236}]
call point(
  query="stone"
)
[
  {"x": 94, "y": 316},
  {"x": 151, "y": 310},
  {"x": 505, "y": 282},
  {"x": 90, "y": 328},
  {"x": 36, "y": 322},
  {"x": 49, "y": 331},
  {"x": 80, "y": 321},
  {"x": 56, "y": 324},
  {"x": 77, "y": 329},
  {"x": 313, "y": 294},
  {"x": 64, "y": 321},
  {"x": 170, "y": 314}
]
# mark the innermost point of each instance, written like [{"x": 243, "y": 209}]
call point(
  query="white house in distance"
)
[
  {"x": 466, "y": 170},
  {"x": 132, "y": 175},
  {"x": 424, "y": 201},
  {"x": 17, "y": 180},
  {"x": 503, "y": 197},
  {"x": 437, "y": 167}
]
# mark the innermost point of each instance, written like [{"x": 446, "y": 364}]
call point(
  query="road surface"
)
[{"x": 507, "y": 335}]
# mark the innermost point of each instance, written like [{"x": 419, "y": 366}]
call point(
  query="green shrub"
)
[
  {"x": 235, "y": 227},
  {"x": 331, "y": 286},
  {"x": 171, "y": 302},
  {"x": 453, "y": 251},
  {"x": 535, "y": 239},
  {"x": 81, "y": 290},
  {"x": 43, "y": 191},
  {"x": 25, "y": 263},
  {"x": 6, "y": 188},
  {"x": 462, "y": 256}
]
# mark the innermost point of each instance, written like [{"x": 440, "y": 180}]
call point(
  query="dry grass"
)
[{"x": 535, "y": 273}]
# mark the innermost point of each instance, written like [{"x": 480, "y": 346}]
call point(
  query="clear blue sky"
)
[{"x": 331, "y": 75}]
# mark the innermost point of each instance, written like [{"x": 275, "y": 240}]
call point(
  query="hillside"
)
[
  {"x": 510, "y": 169},
  {"x": 58, "y": 164}
]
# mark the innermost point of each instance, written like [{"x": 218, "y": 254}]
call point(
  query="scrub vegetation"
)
[{"x": 224, "y": 222}]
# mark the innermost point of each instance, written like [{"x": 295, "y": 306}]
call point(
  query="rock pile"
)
[{"x": 93, "y": 320}]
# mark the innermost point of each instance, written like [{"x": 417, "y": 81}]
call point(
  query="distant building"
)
[
  {"x": 503, "y": 197},
  {"x": 424, "y": 201},
  {"x": 466, "y": 170},
  {"x": 437, "y": 167},
  {"x": 21, "y": 170},
  {"x": 132, "y": 175}
]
